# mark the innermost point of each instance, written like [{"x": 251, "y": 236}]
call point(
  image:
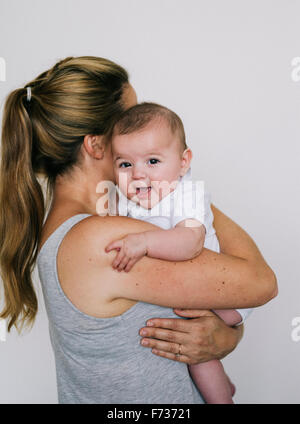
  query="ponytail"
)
[
  {"x": 21, "y": 213},
  {"x": 42, "y": 133}
]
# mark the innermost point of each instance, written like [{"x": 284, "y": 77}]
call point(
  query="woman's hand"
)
[{"x": 192, "y": 341}]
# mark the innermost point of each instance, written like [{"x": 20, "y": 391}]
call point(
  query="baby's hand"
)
[{"x": 130, "y": 249}]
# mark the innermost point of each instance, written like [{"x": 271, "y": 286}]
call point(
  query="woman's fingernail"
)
[
  {"x": 150, "y": 323},
  {"x": 145, "y": 342},
  {"x": 143, "y": 333}
]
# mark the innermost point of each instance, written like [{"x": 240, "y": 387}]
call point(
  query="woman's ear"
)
[
  {"x": 94, "y": 145},
  {"x": 186, "y": 161}
]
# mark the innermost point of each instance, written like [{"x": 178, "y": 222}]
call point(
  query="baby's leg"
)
[
  {"x": 229, "y": 316},
  {"x": 210, "y": 377},
  {"x": 212, "y": 382}
]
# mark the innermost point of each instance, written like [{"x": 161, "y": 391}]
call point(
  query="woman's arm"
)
[
  {"x": 235, "y": 241},
  {"x": 210, "y": 281},
  {"x": 160, "y": 244},
  {"x": 204, "y": 336}
]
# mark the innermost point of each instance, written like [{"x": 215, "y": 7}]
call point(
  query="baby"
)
[{"x": 152, "y": 170}]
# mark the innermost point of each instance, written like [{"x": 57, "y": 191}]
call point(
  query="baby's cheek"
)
[{"x": 123, "y": 181}]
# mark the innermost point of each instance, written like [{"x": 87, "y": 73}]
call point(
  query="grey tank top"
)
[{"x": 100, "y": 360}]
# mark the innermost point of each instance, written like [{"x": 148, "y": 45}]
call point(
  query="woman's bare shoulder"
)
[
  {"x": 97, "y": 230},
  {"x": 88, "y": 238},
  {"x": 83, "y": 265}
]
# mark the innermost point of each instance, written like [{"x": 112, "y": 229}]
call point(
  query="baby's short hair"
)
[{"x": 139, "y": 116}]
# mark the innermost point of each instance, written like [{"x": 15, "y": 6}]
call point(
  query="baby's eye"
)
[
  {"x": 124, "y": 165},
  {"x": 153, "y": 161}
]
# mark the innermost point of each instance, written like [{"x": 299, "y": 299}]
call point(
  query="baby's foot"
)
[{"x": 232, "y": 386}]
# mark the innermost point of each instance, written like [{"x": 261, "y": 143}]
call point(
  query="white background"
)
[{"x": 225, "y": 68}]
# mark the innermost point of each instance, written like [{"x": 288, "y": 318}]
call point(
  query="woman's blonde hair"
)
[{"x": 44, "y": 125}]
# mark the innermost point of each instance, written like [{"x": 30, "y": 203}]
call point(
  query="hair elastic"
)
[{"x": 28, "y": 94}]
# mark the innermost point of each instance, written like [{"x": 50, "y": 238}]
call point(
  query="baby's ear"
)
[{"x": 186, "y": 159}]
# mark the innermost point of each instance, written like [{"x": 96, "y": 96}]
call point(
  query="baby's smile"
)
[
  {"x": 143, "y": 192},
  {"x": 143, "y": 195}
]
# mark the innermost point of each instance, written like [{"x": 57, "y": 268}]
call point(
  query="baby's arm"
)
[{"x": 185, "y": 241}]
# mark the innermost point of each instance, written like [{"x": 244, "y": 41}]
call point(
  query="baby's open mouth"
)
[{"x": 143, "y": 191}]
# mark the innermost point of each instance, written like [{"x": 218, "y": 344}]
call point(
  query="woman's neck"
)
[{"x": 76, "y": 193}]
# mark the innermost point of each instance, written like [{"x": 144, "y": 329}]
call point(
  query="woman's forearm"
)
[
  {"x": 210, "y": 281},
  {"x": 234, "y": 241}
]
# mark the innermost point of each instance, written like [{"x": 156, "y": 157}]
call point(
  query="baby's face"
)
[{"x": 148, "y": 163}]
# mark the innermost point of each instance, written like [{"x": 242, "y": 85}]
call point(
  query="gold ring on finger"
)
[{"x": 179, "y": 350}]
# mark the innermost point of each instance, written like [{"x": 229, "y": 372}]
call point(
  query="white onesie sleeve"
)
[{"x": 191, "y": 202}]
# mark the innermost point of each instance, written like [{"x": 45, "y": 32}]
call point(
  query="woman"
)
[{"x": 56, "y": 127}]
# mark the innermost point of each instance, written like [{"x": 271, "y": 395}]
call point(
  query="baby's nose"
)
[{"x": 138, "y": 173}]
